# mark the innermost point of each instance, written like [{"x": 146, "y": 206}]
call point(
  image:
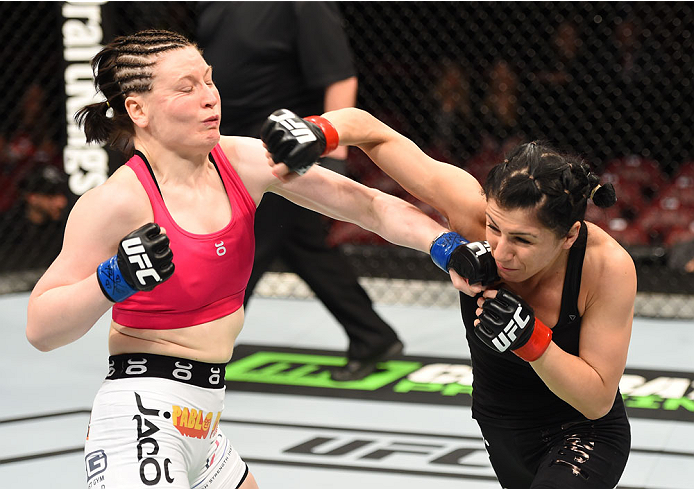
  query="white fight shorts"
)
[{"x": 155, "y": 424}]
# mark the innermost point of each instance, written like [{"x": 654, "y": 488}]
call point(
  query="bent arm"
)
[
  {"x": 589, "y": 382},
  {"x": 67, "y": 300},
  {"x": 450, "y": 190}
]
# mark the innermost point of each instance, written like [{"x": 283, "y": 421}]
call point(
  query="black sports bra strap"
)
[
  {"x": 154, "y": 179},
  {"x": 149, "y": 167},
  {"x": 216, "y": 167},
  {"x": 572, "y": 281}
]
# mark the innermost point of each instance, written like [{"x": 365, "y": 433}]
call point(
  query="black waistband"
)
[{"x": 132, "y": 365}]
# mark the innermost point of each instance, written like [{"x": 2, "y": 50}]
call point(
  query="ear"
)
[
  {"x": 134, "y": 105},
  {"x": 572, "y": 235}
]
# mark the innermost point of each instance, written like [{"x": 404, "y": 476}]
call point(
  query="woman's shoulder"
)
[
  {"x": 599, "y": 240},
  {"x": 605, "y": 258},
  {"x": 123, "y": 186},
  {"x": 120, "y": 197},
  {"x": 236, "y": 148},
  {"x": 248, "y": 157}
]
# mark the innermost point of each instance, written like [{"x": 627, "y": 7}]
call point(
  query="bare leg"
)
[{"x": 249, "y": 483}]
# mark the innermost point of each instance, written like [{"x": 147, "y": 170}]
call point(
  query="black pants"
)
[
  {"x": 298, "y": 236},
  {"x": 582, "y": 455}
]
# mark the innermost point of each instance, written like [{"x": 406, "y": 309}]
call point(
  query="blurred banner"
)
[{"x": 83, "y": 34}]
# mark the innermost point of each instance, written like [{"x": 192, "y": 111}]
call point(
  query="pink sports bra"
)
[{"x": 212, "y": 270}]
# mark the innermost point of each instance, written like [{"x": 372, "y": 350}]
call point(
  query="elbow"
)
[
  {"x": 376, "y": 213},
  {"x": 38, "y": 340},
  {"x": 35, "y": 334},
  {"x": 598, "y": 409}
]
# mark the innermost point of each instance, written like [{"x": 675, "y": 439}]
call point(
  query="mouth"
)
[
  {"x": 503, "y": 268},
  {"x": 214, "y": 118}
]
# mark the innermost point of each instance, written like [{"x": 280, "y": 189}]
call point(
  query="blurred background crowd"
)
[{"x": 464, "y": 80}]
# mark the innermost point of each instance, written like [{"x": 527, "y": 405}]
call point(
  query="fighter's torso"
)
[
  {"x": 506, "y": 390},
  {"x": 198, "y": 312}
]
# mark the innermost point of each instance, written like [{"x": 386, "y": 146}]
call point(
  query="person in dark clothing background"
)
[
  {"x": 294, "y": 55},
  {"x": 32, "y": 230}
]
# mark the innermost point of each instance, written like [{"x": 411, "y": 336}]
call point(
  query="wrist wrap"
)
[
  {"x": 442, "y": 247},
  {"x": 332, "y": 139},
  {"x": 111, "y": 281},
  {"x": 537, "y": 344}
]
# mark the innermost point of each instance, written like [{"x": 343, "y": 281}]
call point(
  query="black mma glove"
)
[
  {"x": 472, "y": 261},
  {"x": 297, "y": 142},
  {"x": 143, "y": 261},
  {"x": 508, "y": 323}
]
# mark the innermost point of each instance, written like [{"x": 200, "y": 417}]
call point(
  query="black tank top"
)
[{"x": 506, "y": 390}]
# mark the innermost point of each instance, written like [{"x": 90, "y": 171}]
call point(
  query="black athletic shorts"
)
[{"x": 578, "y": 455}]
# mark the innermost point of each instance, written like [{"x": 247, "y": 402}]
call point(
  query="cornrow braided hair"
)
[
  {"x": 558, "y": 186},
  {"x": 122, "y": 67}
]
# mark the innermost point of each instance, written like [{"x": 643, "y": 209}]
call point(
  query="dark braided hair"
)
[
  {"x": 122, "y": 67},
  {"x": 558, "y": 186}
]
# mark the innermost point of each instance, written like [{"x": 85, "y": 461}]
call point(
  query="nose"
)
[
  {"x": 210, "y": 96},
  {"x": 502, "y": 251}
]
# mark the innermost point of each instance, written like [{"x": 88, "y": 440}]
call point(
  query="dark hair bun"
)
[{"x": 605, "y": 196}]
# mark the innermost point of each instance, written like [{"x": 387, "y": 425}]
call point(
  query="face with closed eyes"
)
[
  {"x": 183, "y": 107},
  {"x": 522, "y": 246}
]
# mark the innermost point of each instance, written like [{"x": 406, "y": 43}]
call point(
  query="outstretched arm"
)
[
  {"x": 294, "y": 144},
  {"x": 452, "y": 191},
  {"x": 333, "y": 195}
]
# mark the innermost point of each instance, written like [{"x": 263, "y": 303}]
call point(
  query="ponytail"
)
[
  {"x": 97, "y": 125},
  {"x": 104, "y": 125}
]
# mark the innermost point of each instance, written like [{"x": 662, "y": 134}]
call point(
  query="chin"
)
[{"x": 211, "y": 140}]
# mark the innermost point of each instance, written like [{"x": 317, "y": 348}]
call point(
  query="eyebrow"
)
[
  {"x": 514, "y": 234},
  {"x": 191, "y": 76}
]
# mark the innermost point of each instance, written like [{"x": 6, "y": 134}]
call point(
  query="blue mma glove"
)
[
  {"x": 472, "y": 261},
  {"x": 143, "y": 261}
]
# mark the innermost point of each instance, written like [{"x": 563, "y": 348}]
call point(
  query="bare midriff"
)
[{"x": 211, "y": 342}]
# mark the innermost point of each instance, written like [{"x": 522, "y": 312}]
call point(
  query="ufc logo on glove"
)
[
  {"x": 296, "y": 126},
  {"x": 479, "y": 247},
  {"x": 503, "y": 341},
  {"x": 502, "y": 327},
  {"x": 136, "y": 254},
  {"x": 143, "y": 261}
]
